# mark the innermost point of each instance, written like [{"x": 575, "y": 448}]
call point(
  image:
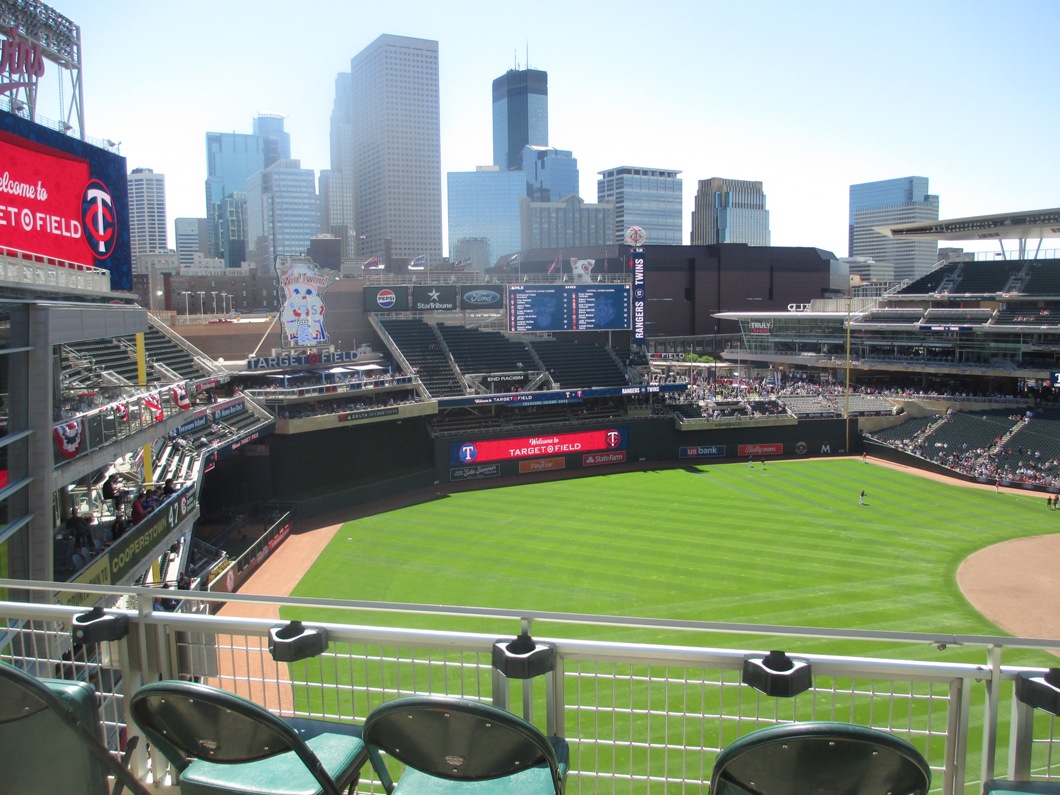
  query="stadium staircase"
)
[{"x": 418, "y": 345}]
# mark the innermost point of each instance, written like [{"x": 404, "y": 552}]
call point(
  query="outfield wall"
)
[
  {"x": 566, "y": 451},
  {"x": 336, "y": 470}
]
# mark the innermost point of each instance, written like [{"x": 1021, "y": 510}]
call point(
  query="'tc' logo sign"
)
[{"x": 99, "y": 219}]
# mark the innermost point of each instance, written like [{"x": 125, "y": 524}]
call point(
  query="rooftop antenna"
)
[
  {"x": 515, "y": 58},
  {"x": 528, "y": 53}
]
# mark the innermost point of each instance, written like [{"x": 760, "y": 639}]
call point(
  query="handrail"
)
[{"x": 985, "y": 642}]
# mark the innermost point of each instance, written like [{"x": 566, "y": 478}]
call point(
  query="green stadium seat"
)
[
  {"x": 222, "y": 743},
  {"x": 820, "y": 756},
  {"x": 51, "y": 740},
  {"x": 999, "y": 786},
  {"x": 455, "y": 745}
]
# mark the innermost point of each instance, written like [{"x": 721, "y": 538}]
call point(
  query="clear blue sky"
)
[{"x": 808, "y": 97}]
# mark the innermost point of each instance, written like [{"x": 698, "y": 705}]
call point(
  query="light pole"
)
[
  {"x": 202, "y": 295},
  {"x": 187, "y": 311},
  {"x": 224, "y": 303},
  {"x": 214, "y": 294}
]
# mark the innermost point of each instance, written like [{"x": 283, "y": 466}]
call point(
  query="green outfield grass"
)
[{"x": 786, "y": 545}]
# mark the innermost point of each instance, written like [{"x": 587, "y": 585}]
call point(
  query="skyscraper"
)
[
  {"x": 395, "y": 138},
  {"x": 520, "y": 115},
  {"x": 886, "y": 203},
  {"x": 230, "y": 160},
  {"x": 283, "y": 212},
  {"x": 646, "y": 197},
  {"x": 147, "y": 212},
  {"x": 730, "y": 211},
  {"x": 565, "y": 223},
  {"x": 551, "y": 174},
  {"x": 484, "y": 214},
  {"x": 192, "y": 237},
  {"x": 337, "y": 213},
  {"x": 269, "y": 127}
]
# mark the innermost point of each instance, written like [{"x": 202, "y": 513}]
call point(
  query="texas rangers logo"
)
[
  {"x": 386, "y": 298},
  {"x": 612, "y": 438},
  {"x": 468, "y": 452},
  {"x": 99, "y": 219}
]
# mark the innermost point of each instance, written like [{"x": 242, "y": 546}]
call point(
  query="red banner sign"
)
[
  {"x": 546, "y": 444},
  {"x": 41, "y": 203},
  {"x": 760, "y": 449}
]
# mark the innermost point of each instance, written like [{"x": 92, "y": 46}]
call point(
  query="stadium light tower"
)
[{"x": 42, "y": 36}]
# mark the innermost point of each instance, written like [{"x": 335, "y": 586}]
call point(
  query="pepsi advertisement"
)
[
  {"x": 545, "y": 444},
  {"x": 64, "y": 200},
  {"x": 386, "y": 299}
]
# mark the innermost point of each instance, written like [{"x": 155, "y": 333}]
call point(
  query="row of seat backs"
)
[
  {"x": 51, "y": 738},
  {"x": 221, "y": 742}
]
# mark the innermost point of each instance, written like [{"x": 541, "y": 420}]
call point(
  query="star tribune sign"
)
[{"x": 433, "y": 298}]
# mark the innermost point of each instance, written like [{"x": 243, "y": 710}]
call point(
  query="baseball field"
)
[{"x": 788, "y": 542}]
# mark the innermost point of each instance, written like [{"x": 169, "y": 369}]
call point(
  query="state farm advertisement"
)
[
  {"x": 548, "y": 444},
  {"x": 41, "y": 198}
]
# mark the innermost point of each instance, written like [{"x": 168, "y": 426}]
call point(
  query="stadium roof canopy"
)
[{"x": 1004, "y": 226}]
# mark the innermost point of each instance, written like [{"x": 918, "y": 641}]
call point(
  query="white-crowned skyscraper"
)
[{"x": 147, "y": 212}]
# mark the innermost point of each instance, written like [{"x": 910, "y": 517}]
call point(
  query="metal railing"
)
[
  {"x": 639, "y": 717},
  {"x": 113, "y": 422},
  {"x": 34, "y": 270}
]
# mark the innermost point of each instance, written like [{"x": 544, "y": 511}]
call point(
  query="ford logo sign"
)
[{"x": 481, "y": 297}]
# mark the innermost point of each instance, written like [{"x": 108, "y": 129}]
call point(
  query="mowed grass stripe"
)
[{"x": 790, "y": 545}]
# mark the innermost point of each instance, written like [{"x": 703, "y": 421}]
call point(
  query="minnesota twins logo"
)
[
  {"x": 612, "y": 438},
  {"x": 99, "y": 219},
  {"x": 468, "y": 452}
]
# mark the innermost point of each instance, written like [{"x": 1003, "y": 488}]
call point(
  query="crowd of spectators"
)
[{"x": 997, "y": 462}]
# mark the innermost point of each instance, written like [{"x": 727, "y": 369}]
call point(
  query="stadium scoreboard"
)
[{"x": 568, "y": 307}]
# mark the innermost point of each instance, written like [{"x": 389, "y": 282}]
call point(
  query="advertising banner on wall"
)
[
  {"x": 548, "y": 444},
  {"x": 481, "y": 296},
  {"x": 433, "y": 298},
  {"x": 386, "y": 299},
  {"x": 64, "y": 200}
]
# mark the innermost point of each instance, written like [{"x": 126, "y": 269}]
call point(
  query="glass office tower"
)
[
  {"x": 520, "y": 115},
  {"x": 891, "y": 202},
  {"x": 484, "y": 214},
  {"x": 646, "y": 197}
]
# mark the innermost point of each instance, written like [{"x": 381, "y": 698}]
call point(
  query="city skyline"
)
[{"x": 813, "y": 112}]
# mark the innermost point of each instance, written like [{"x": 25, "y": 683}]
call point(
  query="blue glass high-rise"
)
[
  {"x": 484, "y": 214},
  {"x": 551, "y": 174},
  {"x": 520, "y": 115}
]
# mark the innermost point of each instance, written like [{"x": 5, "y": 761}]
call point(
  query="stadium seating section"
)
[
  {"x": 423, "y": 350},
  {"x": 434, "y": 350}
]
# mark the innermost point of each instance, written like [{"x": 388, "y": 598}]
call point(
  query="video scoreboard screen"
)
[{"x": 568, "y": 307}]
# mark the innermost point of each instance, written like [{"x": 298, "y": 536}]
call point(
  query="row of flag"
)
[
  {"x": 419, "y": 263},
  {"x": 69, "y": 435}
]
